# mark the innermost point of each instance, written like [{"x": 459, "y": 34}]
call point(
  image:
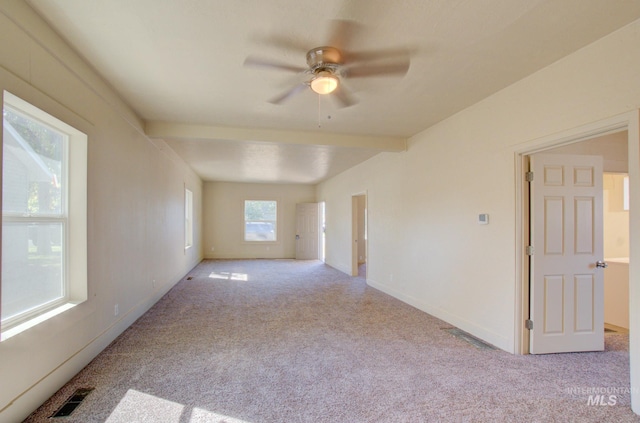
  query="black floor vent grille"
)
[{"x": 72, "y": 403}]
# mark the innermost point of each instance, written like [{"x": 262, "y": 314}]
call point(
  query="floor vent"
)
[
  {"x": 470, "y": 339},
  {"x": 72, "y": 403}
]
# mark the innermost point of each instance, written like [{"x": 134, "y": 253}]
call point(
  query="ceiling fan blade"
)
[
  {"x": 343, "y": 96},
  {"x": 377, "y": 70},
  {"x": 391, "y": 53},
  {"x": 341, "y": 33},
  {"x": 266, "y": 63},
  {"x": 285, "y": 43},
  {"x": 289, "y": 93}
]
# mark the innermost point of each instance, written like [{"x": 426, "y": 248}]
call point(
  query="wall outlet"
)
[
  {"x": 116, "y": 310},
  {"x": 153, "y": 283}
]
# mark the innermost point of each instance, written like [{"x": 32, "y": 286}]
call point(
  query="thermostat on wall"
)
[{"x": 483, "y": 219}]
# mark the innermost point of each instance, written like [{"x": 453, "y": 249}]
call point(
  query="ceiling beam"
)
[{"x": 172, "y": 130}]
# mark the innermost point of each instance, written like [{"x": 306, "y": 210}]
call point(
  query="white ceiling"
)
[{"x": 179, "y": 64}]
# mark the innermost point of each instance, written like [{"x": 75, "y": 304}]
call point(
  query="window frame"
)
[
  {"x": 275, "y": 222},
  {"x": 73, "y": 216}
]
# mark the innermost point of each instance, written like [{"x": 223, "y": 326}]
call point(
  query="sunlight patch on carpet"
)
[
  {"x": 138, "y": 406},
  {"x": 229, "y": 276}
]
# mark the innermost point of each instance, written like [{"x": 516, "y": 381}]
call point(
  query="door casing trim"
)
[{"x": 354, "y": 229}]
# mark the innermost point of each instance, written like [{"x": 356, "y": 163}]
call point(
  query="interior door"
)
[
  {"x": 566, "y": 282},
  {"x": 307, "y": 231}
]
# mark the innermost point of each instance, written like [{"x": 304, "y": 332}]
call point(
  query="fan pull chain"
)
[{"x": 320, "y": 112}]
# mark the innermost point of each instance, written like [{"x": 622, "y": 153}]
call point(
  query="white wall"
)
[
  {"x": 224, "y": 218},
  {"x": 425, "y": 246},
  {"x": 135, "y": 206}
]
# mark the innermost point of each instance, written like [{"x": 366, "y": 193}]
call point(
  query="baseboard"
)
[
  {"x": 484, "y": 334},
  {"x": 30, "y": 400},
  {"x": 22, "y": 406}
]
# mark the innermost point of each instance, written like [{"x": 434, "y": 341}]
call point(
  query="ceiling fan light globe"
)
[{"x": 324, "y": 83}]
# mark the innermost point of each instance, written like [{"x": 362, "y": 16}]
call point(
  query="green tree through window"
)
[{"x": 260, "y": 220}]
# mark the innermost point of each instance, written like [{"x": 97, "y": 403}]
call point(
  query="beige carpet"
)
[{"x": 287, "y": 341}]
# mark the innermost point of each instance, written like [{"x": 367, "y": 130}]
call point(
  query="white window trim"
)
[{"x": 76, "y": 234}]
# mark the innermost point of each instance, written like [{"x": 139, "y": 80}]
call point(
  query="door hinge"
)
[
  {"x": 530, "y": 250},
  {"x": 528, "y": 176},
  {"x": 528, "y": 324}
]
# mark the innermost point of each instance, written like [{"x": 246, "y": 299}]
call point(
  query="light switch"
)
[{"x": 483, "y": 219}]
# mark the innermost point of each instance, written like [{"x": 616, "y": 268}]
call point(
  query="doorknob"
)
[
  {"x": 297, "y": 236},
  {"x": 602, "y": 264}
]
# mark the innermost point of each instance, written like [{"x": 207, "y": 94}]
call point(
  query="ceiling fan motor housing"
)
[{"x": 323, "y": 58}]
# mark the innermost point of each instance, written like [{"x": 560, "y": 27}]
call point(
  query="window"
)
[
  {"x": 43, "y": 191},
  {"x": 188, "y": 218},
  {"x": 260, "y": 220}
]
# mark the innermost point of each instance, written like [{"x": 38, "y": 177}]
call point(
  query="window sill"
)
[
  {"x": 35, "y": 321},
  {"x": 261, "y": 242}
]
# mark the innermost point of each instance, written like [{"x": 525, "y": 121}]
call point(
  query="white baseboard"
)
[{"x": 484, "y": 334}]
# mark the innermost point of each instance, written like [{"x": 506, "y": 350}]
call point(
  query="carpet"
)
[{"x": 252, "y": 341}]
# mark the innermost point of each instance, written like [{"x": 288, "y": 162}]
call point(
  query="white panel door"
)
[
  {"x": 307, "y": 231},
  {"x": 567, "y": 286}
]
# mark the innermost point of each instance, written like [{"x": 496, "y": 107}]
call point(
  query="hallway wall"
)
[{"x": 136, "y": 227}]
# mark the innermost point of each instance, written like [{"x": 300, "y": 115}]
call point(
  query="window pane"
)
[
  {"x": 32, "y": 169},
  {"x": 260, "y": 210},
  {"x": 260, "y": 220},
  {"x": 32, "y": 266},
  {"x": 260, "y": 231}
]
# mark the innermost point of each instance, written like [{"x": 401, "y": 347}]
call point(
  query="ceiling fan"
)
[{"x": 328, "y": 67}]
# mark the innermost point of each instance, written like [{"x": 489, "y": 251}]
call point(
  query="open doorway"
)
[
  {"x": 614, "y": 150},
  {"x": 359, "y": 235},
  {"x": 322, "y": 248},
  {"x": 613, "y": 297},
  {"x": 629, "y": 122},
  {"x": 616, "y": 251}
]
